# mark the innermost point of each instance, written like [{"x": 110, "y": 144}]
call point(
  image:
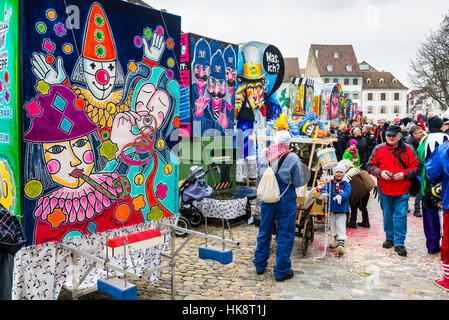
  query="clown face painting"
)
[
  {"x": 100, "y": 77},
  {"x": 97, "y": 151}
]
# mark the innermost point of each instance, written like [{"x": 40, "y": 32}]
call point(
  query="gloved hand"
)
[
  {"x": 337, "y": 198},
  {"x": 324, "y": 196}
]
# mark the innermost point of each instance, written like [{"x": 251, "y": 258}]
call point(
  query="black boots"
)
[{"x": 417, "y": 212}]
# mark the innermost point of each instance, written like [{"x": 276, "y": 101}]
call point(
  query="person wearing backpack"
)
[{"x": 288, "y": 172}]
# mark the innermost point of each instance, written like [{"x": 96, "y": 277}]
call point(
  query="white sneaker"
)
[
  {"x": 340, "y": 250},
  {"x": 333, "y": 244}
]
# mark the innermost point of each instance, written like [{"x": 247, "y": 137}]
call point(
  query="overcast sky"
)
[{"x": 385, "y": 33}]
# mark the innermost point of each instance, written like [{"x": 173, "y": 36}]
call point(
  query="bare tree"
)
[{"x": 429, "y": 72}]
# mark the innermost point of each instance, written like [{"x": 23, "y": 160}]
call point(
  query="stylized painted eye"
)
[
  {"x": 111, "y": 67},
  {"x": 80, "y": 143},
  {"x": 93, "y": 65},
  {"x": 212, "y": 81},
  {"x": 56, "y": 149},
  {"x": 221, "y": 83},
  {"x": 148, "y": 120}
]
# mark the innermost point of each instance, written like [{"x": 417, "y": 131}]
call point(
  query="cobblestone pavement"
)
[{"x": 366, "y": 271}]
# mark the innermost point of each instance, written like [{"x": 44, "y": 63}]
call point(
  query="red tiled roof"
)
[
  {"x": 375, "y": 77},
  {"x": 324, "y": 56},
  {"x": 291, "y": 69}
]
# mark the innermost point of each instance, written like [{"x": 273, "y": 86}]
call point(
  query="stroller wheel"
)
[
  {"x": 182, "y": 223},
  {"x": 196, "y": 218}
]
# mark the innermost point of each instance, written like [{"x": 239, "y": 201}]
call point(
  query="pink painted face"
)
[
  {"x": 201, "y": 75},
  {"x": 230, "y": 78},
  {"x": 216, "y": 89},
  {"x": 152, "y": 105},
  {"x": 62, "y": 158}
]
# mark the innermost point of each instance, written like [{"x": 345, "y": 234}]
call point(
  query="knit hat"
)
[
  {"x": 339, "y": 167},
  {"x": 352, "y": 141},
  {"x": 282, "y": 137},
  {"x": 393, "y": 130},
  {"x": 435, "y": 124}
]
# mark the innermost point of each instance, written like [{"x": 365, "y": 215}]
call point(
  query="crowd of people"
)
[{"x": 408, "y": 158}]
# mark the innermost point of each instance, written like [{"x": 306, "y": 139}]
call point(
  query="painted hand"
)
[
  {"x": 199, "y": 106},
  {"x": 121, "y": 131},
  {"x": 45, "y": 71},
  {"x": 156, "y": 49},
  {"x": 324, "y": 195}
]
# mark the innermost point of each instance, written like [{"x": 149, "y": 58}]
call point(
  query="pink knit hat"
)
[{"x": 352, "y": 141}]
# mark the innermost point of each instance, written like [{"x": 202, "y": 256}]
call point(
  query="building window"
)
[
  {"x": 349, "y": 68},
  {"x": 335, "y": 80},
  {"x": 370, "y": 109},
  {"x": 370, "y": 96},
  {"x": 336, "y": 55},
  {"x": 330, "y": 67},
  {"x": 346, "y": 82},
  {"x": 326, "y": 80},
  {"x": 368, "y": 81},
  {"x": 383, "y": 96},
  {"x": 396, "y": 109},
  {"x": 395, "y": 81},
  {"x": 364, "y": 67},
  {"x": 355, "y": 82},
  {"x": 396, "y": 96},
  {"x": 383, "y": 109},
  {"x": 381, "y": 81},
  {"x": 355, "y": 95},
  {"x": 346, "y": 94}
]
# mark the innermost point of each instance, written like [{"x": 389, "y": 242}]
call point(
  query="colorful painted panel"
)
[
  {"x": 185, "y": 110},
  {"x": 10, "y": 192},
  {"x": 213, "y": 81},
  {"x": 100, "y": 105},
  {"x": 260, "y": 72}
]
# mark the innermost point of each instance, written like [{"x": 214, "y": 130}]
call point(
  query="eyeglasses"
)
[{"x": 391, "y": 135}]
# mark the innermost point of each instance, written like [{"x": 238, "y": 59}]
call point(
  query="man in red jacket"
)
[{"x": 394, "y": 164}]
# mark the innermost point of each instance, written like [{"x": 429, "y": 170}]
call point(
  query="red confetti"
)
[{"x": 50, "y": 59}]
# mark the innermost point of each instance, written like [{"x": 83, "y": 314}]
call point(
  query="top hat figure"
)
[{"x": 252, "y": 68}]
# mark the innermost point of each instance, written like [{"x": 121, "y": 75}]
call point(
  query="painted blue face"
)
[{"x": 100, "y": 77}]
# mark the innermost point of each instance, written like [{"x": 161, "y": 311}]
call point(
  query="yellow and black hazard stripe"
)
[{"x": 223, "y": 185}]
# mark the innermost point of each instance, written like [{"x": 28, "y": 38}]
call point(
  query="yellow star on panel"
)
[
  {"x": 43, "y": 87},
  {"x": 132, "y": 67}
]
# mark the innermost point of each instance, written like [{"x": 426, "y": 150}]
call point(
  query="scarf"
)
[
  {"x": 275, "y": 151},
  {"x": 354, "y": 154}
]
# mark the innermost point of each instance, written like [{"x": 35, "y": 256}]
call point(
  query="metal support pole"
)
[{"x": 173, "y": 264}]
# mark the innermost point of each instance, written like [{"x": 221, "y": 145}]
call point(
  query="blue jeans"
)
[
  {"x": 284, "y": 212},
  {"x": 395, "y": 216}
]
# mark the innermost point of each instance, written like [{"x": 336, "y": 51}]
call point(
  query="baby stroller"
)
[{"x": 193, "y": 188}]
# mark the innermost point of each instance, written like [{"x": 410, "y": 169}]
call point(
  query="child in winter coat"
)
[
  {"x": 352, "y": 153},
  {"x": 337, "y": 192}
]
